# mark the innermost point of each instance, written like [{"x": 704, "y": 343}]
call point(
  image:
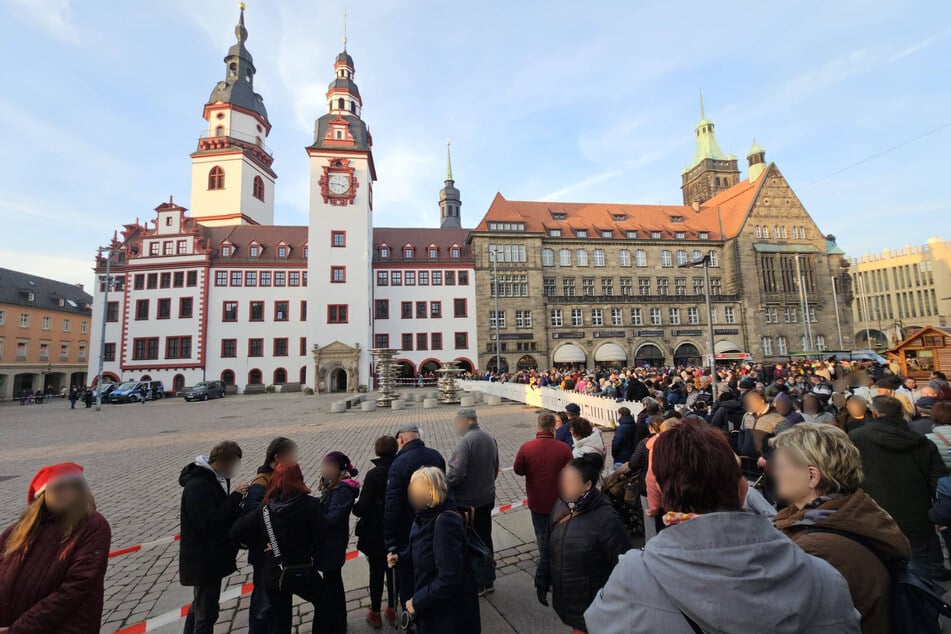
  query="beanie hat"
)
[
  {"x": 51, "y": 474},
  {"x": 747, "y": 384},
  {"x": 339, "y": 458},
  {"x": 574, "y": 408},
  {"x": 782, "y": 397}
]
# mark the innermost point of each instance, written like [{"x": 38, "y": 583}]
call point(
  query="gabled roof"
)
[
  {"x": 397, "y": 237},
  {"x": 16, "y": 286},
  {"x": 734, "y": 204},
  {"x": 938, "y": 330},
  {"x": 268, "y": 236}
]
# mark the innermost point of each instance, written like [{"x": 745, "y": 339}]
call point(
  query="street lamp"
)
[
  {"x": 704, "y": 262},
  {"x": 493, "y": 256},
  {"x": 102, "y": 330}
]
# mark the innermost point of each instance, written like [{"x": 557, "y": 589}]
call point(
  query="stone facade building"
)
[{"x": 584, "y": 284}]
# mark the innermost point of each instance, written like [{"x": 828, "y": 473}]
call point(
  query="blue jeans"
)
[
  {"x": 203, "y": 612},
  {"x": 259, "y": 613}
]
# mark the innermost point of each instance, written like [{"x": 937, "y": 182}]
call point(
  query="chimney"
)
[
  {"x": 696, "y": 206},
  {"x": 79, "y": 285}
]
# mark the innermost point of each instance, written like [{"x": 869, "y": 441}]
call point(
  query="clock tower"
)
[{"x": 340, "y": 242}]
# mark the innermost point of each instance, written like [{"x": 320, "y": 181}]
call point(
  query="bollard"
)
[
  {"x": 466, "y": 401},
  {"x": 491, "y": 399},
  {"x": 397, "y": 404},
  {"x": 368, "y": 406},
  {"x": 476, "y": 396},
  {"x": 409, "y": 397},
  {"x": 433, "y": 394},
  {"x": 338, "y": 406},
  {"x": 430, "y": 403}
]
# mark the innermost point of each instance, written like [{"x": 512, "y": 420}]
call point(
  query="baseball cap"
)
[
  {"x": 574, "y": 408},
  {"x": 408, "y": 428},
  {"x": 467, "y": 413}
]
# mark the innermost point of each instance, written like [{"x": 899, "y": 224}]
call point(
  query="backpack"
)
[
  {"x": 916, "y": 601},
  {"x": 480, "y": 560}
]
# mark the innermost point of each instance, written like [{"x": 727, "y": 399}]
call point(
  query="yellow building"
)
[{"x": 901, "y": 290}]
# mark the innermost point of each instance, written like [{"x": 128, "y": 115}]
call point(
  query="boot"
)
[
  {"x": 390, "y": 615},
  {"x": 374, "y": 620}
]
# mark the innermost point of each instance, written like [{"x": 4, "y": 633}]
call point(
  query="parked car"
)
[
  {"x": 106, "y": 387},
  {"x": 206, "y": 390},
  {"x": 129, "y": 392}
]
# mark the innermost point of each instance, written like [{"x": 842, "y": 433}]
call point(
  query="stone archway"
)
[
  {"x": 337, "y": 380},
  {"x": 332, "y": 357}
]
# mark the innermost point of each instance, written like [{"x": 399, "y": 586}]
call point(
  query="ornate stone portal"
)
[
  {"x": 336, "y": 367},
  {"x": 448, "y": 390},
  {"x": 386, "y": 375}
]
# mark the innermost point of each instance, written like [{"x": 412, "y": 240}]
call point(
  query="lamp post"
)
[
  {"x": 102, "y": 329},
  {"x": 835, "y": 304},
  {"x": 804, "y": 302},
  {"x": 494, "y": 257},
  {"x": 704, "y": 262}
]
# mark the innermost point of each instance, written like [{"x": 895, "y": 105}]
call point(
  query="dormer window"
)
[
  {"x": 384, "y": 252},
  {"x": 607, "y": 234},
  {"x": 30, "y": 296},
  {"x": 282, "y": 252},
  {"x": 618, "y": 217},
  {"x": 655, "y": 235},
  {"x": 254, "y": 251},
  {"x": 559, "y": 216},
  {"x": 554, "y": 233},
  {"x": 677, "y": 219},
  {"x": 408, "y": 252},
  {"x": 581, "y": 233},
  {"x": 433, "y": 252},
  {"x": 703, "y": 235},
  {"x": 225, "y": 251},
  {"x": 455, "y": 252},
  {"x": 630, "y": 235},
  {"x": 680, "y": 235}
]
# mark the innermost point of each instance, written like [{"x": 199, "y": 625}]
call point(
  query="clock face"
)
[{"x": 338, "y": 184}]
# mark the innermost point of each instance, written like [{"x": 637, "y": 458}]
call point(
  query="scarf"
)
[{"x": 676, "y": 517}]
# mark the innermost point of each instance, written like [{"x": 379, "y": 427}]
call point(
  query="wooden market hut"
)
[{"x": 923, "y": 351}]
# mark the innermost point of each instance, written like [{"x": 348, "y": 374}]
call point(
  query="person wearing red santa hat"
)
[{"x": 53, "y": 559}]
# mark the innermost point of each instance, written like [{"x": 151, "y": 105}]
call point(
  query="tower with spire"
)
[
  {"x": 232, "y": 179},
  {"x": 450, "y": 204},
  {"x": 757, "y": 161},
  {"x": 710, "y": 171}
]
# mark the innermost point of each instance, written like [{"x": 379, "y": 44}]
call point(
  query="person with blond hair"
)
[
  {"x": 434, "y": 565},
  {"x": 53, "y": 559},
  {"x": 818, "y": 472}
]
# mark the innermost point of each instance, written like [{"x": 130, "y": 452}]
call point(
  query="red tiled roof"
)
[
  {"x": 269, "y": 236},
  {"x": 397, "y": 237}
]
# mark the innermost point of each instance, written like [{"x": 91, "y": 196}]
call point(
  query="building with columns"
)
[{"x": 218, "y": 291}]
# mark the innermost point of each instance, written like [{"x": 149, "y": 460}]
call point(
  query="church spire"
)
[
  {"x": 710, "y": 171},
  {"x": 449, "y": 178},
  {"x": 706, "y": 141},
  {"x": 238, "y": 86},
  {"x": 450, "y": 202}
]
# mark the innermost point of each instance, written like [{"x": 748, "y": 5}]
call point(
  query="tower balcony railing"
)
[{"x": 238, "y": 136}]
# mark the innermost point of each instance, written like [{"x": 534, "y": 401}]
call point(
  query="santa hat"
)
[{"x": 50, "y": 475}]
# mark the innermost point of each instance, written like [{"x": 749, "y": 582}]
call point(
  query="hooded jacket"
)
[
  {"x": 473, "y": 468},
  {"x": 858, "y": 514},
  {"x": 336, "y": 505},
  {"x": 902, "y": 469},
  {"x": 593, "y": 443},
  {"x": 369, "y": 508},
  {"x": 583, "y": 548},
  {"x": 624, "y": 441},
  {"x": 728, "y": 572},
  {"x": 206, "y": 553},
  {"x": 397, "y": 513},
  {"x": 53, "y": 586}
]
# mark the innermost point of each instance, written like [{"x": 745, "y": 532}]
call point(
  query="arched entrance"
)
[
  {"x": 227, "y": 377},
  {"x": 526, "y": 362},
  {"x": 54, "y": 379},
  {"x": 178, "y": 383},
  {"x": 428, "y": 367},
  {"x": 464, "y": 364},
  {"x": 569, "y": 356},
  {"x": 107, "y": 377},
  {"x": 874, "y": 340},
  {"x": 610, "y": 355},
  {"x": 648, "y": 355},
  {"x": 338, "y": 380},
  {"x": 145, "y": 377},
  {"x": 687, "y": 354},
  {"x": 280, "y": 376},
  {"x": 25, "y": 381},
  {"x": 405, "y": 369},
  {"x": 302, "y": 376},
  {"x": 491, "y": 366},
  {"x": 255, "y": 377}
]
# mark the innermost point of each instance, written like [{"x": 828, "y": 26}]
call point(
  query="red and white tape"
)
[{"x": 235, "y": 592}]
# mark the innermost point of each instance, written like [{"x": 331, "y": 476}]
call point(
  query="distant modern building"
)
[
  {"x": 900, "y": 291},
  {"x": 44, "y": 333}
]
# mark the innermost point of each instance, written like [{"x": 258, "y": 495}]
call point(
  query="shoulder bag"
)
[{"x": 288, "y": 577}]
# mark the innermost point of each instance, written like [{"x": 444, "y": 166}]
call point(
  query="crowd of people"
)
[{"x": 800, "y": 490}]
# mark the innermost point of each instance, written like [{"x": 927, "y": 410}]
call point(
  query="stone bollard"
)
[
  {"x": 432, "y": 394},
  {"x": 338, "y": 406},
  {"x": 368, "y": 406},
  {"x": 476, "y": 396},
  {"x": 491, "y": 399},
  {"x": 397, "y": 404},
  {"x": 409, "y": 397},
  {"x": 429, "y": 403},
  {"x": 466, "y": 401}
]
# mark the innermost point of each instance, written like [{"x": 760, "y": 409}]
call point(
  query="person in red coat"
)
[
  {"x": 541, "y": 461},
  {"x": 53, "y": 559}
]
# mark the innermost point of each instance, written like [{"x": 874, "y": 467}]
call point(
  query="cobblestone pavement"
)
[{"x": 133, "y": 455}]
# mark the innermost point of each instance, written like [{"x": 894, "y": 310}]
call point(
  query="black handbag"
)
[{"x": 286, "y": 577}]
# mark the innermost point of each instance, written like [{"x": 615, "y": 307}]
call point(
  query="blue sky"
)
[{"x": 102, "y": 101}]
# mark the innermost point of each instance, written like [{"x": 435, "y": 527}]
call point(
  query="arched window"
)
[
  {"x": 353, "y": 107},
  {"x": 280, "y": 376},
  {"x": 258, "y": 188},
  {"x": 228, "y": 377},
  {"x": 303, "y": 375},
  {"x": 254, "y": 377},
  {"x": 178, "y": 383},
  {"x": 216, "y": 178},
  {"x": 220, "y": 131},
  {"x": 340, "y": 104}
]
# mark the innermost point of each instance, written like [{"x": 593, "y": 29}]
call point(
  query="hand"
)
[
  {"x": 542, "y": 596},
  {"x": 409, "y": 608},
  {"x": 391, "y": 560},
  {"x": 242, "y": 488},
  {"x": 761, "y": 462}
]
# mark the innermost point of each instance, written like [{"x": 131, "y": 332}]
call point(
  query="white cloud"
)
[
  {"x": 52, "y": 16},
  {"x": 914, "y": 48}
]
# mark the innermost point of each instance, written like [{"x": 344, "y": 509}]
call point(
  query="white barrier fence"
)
[{"x": 599, "y": 410}]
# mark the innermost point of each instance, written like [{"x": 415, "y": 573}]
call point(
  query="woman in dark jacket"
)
[
  {"x": 444, "y": 599},
  {"x": 622, "y": 446},
  {"x": 369, "y": 508},
  {"x": 297, "y": 522},
  {"x": 338, "y": 492},
  {"x": 53, "y": 559},
  {"x": 587, "y": 537}
]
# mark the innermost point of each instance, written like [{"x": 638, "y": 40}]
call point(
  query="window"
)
[
  {"x": 179, "y": 279},
  {"x": 138, "y": 282},
  {"x": 624, "y": 257},
  {"x": 523, "y": 319},
  {"x": 681, "y": 257},
  {"x": 293, "y": 278},
  {"x": 781, "y": 346},
  {"x": 782, "y": 231},
  {"x": 568, "y": 285},
  {"x": 665, "y": 259},
  {"x": 587, "y": 286},
  {"x": 422, "y": 341},
  {"x": 164, "y": 309},
  {"x": 728, "y": 315},
  {"x": 406, "y": 341},
  {"x": 630, "y": 235},
  {"x": 433, "y": 253},
  {"x": 338, "y": 239},
  {"x": 655, "y": 317},
  {"x": 406, "y": 310},
  {"x": 674, "y": 316},
  {"x": 643, "y": 286},
  {"x": 265, "y": 278},
  {"x": 424, "y": 278},
  {"x": 303, "y": 310},
  {"x": 168, "y": 247},
  {"x": 64, "y": 352},
  {"x": 68, "y": 323},
  {"x": 229, "y": 348},
  {"x": 548, "y": 286},
  {"x": 281, "y": 311},
  {"x": 435, "y": 341},
  {"x": 772, "y": 315},
  {"x": 636, "y": 319},
  {"x": 789, "y": 315},
  {"x": 581, "y": 233},
  {"x": 282, "y": 252},
  {"x": 279, "y": 278},
  {"x": 460, "y": 307},
  {"x": 154, "y": 248},
  {"x": 564, "y": 257},
  {"x": 435, "y": 310},
  {"x": 450, "y": 278},
  {"x": 380, "y": 341},
  {"x": 112, "y": 311},
  {"x": 145, "y": 348},
  {"x": 581, "y": 257},
  {"x": 597, "y": 317},
  {"x": 151, "y": 281},
  {"x": 408, "y": 252},
  {"x": 256, "y": 347},
  {"x": 337, "y": 314},
  {"x": 463, "y": 278},
  {"x": 640, "y": 257},
  {"x": 226, "y": 251},
  {"x": 178, "y": 347},
  {"x": 627, "y": 286},
  {"x": 250, "y": 278},
  {"x": 714, "y": 259},
  {"x": 280, "y": 346},
  {"x": 655, "y": 235},
  {"x": 680, "y": 286},
  {"x": 421, "y": 310},
  {"x": 236, "y": 278},
  {"x": 679, "y": 235},
  {"x": 257, "y": 188},
  {"x": 555, "y": 318},
  {"x": 221, "y": 278},
  {"x": 598, "y": 257},
  {"x": 216, "y": 178},
  {"x": 338, "y": 274},
  {"x": 616, "y": 317},
  {"x": 229, "y": 311},
  {"x": 461, "y": 340},
  {"x": 396, "y": 278},
  {"x": 141, "y": 309},
  {"x": 384, "y": 252},
  {"x": 663, "y": 286},
  {"x": 496, "y": 319},
  {"x": 577, "y": 319},
  {"x": 382, "y": 278},
  {"x": 256, "y": 312},
  {"x": 455, "y": 252},
  {"x": 47, "y": 322},
  {"x": 693, "y": 315},
  {"x": 191, "y": 278},
  {"x": 437, "y": 278},
  {"x": 381, "y": 309},
  {"x": 554, "y": 233},
  {"x": 109, "y": 352},
  {"x": 548, "y": 257},
  {"x": 703, "y": 235},
  {"x": 607, "y": 286},
  {"x": 820, "y": 342},
  {"x": 607, "y": 233}
]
